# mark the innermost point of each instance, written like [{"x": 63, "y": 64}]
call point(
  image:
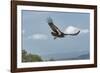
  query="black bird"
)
[{"x": 56, "y": 32}]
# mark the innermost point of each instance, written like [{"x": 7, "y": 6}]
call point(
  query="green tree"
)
[
  {"x": 51, "y": 59},
  {"x": 24, "y": 56},
  {"x": 28, "y": 57}
]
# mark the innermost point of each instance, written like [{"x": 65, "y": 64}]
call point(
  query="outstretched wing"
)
[
  {"x": 52, "y": 26},
  {"x": 74, "y": 33}
]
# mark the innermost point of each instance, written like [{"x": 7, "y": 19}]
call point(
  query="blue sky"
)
[{"x": 37, "y": 38}]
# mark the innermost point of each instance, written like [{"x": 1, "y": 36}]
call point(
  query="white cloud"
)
[
  {"x": 23, "y": 31},
  {"x": 38, "y": 37},
  {"x": 84, "y": 30},
  {"x": 72, "y": 30}
]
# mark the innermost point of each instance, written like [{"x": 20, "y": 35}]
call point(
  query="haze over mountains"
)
[{"x": 66, "y": 56}]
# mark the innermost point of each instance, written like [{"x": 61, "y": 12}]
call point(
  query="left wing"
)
[{"x": 52, "y": 26}]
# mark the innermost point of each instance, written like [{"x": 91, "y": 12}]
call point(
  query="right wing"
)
[
  {"x": 52, "y": 26},
  {"x": 74, "y": 33}
]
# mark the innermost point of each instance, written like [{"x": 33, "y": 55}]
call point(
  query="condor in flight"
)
[{"x": 56, "y": 32}]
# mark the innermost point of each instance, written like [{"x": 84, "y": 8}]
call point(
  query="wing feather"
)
[
  {"x": 74, "y": 33},
  {"x": 52, "y": 26}
]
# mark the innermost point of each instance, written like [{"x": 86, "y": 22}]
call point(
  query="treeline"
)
[{"x": 28, "y": 57}]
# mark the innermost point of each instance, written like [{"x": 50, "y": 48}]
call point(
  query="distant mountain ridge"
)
[
  {"x": 84, "y": 56},
  {"x": 66, "y": 56}
]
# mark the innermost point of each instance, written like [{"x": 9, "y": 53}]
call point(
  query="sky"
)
[{"x": 37, "y": 38}]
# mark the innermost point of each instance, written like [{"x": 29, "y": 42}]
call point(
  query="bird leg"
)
[{"x": 55, "y": 38}]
